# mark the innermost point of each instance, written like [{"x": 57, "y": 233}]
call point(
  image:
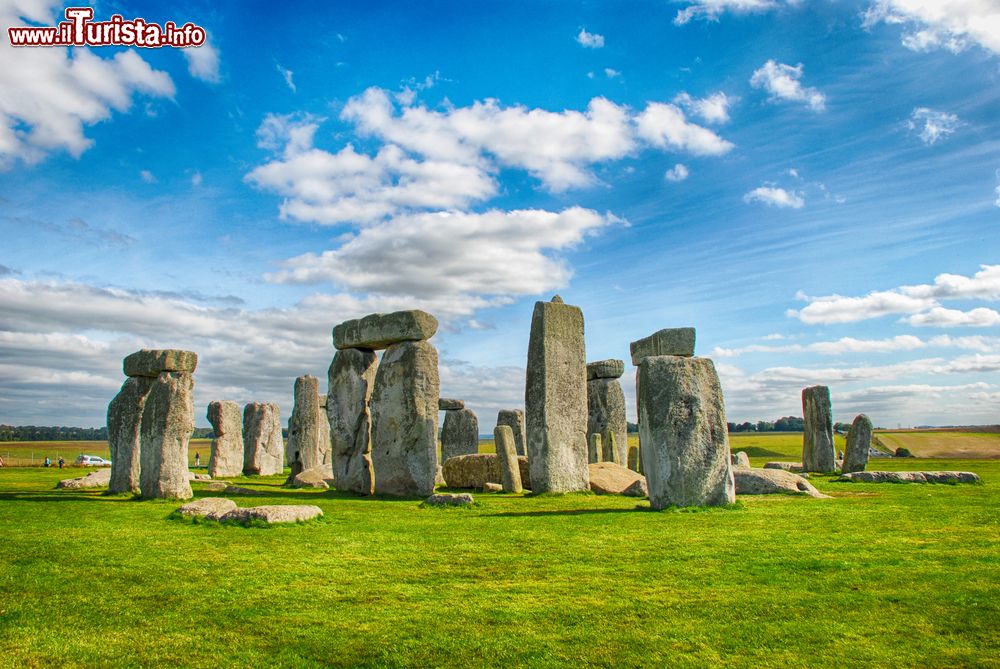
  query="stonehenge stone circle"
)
[
  {"x": 404, "y": 410},
  {"x": 450, "y": 405},
  {"x": 818, "y": 454},
  {"x": 351, "y": 378},
  {"x": 263, "y": 449},
  {"x": 514, "y": 419},
  {"x": 682, "y": 427},
  {"x": 605, "y": 369},
  {"x": 308, "y": 444},
  {"x": 859, "y": 442},
  {"x": 226, "y": 456},
  {"x": 555, "y": 399},
  {"x": 378, "y": 331},
  {"x": 459, "y": 434},
  {"x": 124, "y": 423},
  {"x": 606, "y": 409},
  {"x": 167, "y": 423},
  {"x": 510, "y": 469},
  {"x": 595, "y": 451},
  {"x": 669, "y": 341}
]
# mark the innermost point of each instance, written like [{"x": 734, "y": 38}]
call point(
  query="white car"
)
[{"x": 92, "y": 461}]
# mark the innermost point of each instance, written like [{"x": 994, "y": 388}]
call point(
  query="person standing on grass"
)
[
  {"x": 197, "y": 459},
  {"x": 61, "y": 462},
  {"x": 48, "y": 461}
]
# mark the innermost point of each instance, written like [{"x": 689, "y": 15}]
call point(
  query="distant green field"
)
[
  {"x": 33, "y": 453},
  {"x": 943, "y": 443}
]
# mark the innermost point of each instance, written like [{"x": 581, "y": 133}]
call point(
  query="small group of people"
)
[{"x": 48, "y": 462}]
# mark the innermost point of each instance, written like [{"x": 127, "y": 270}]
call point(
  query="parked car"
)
[{"x": 92, "y": 461}]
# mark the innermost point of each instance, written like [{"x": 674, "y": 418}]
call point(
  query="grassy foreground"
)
[{"x": 881, "y": 575}]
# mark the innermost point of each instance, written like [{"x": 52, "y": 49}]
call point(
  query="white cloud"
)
[
  {"x": 941, "y": 317},
  {"x": 775, "y": 197},
  {"x": 48, "y": 95},
  {"x": 783, "y": 83},
  {"x": 196, "y": 179},
  {"x": 931, "y": 125},
  {"x": 852, "y": 345},
  {"x": 678, "y": 172},
  {"x": 287, "y": 75},
  {"x": 711, "y": 109},
  {"x": 147, "y": 176},
  {"x": 997, "y": 203},
  {"x": 940, "y": 24},
  {"x": 711, "y": 10},
  {"x": 203, "y": 62},
  {"x": 664, "y": 126},
  {"x": 590, "y": 40},
  {"x": 611, "y": 73}
]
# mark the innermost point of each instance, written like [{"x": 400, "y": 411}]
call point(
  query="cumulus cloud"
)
[
  {"x": 850, "y": 345},
  {"x": 783, "y": 82},
  {"x": 48, "y": 95},
  {"x": 931, "y": 125},
  {"x": 711, "y": 10},
  {"x": 590, "y": 40},
  {"x": 665, "y": 126},
  {"x": 678, "y": 172},
  {"x": 941, "y": 317},
  {"x": 775, "y": 197},
  {"x": 711, "y": 109},
  {"x": 203, "y": 62},
  {"x": 953, "y": 25}
]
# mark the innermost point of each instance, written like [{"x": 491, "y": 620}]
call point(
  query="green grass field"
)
[
  {"x": 879, "y": 576},
  {"x": 943, "y": 444}
]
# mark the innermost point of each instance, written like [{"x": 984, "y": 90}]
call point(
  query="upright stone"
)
[
  {"x": 669, "y": 341},
  {"x": 226, "y": 456},
  {"x": 459, "y": 434},
  {"x": 682, "y": 428},
  {"x": 514, "y": 419},
  {"x": 308, "y": 429},
  {"x": 510, "y": 470},
  {"x": 633, "y": 459},
  {"x": 167, "y": 423},
  {"x": 606, "y": 414},
  {"x": 378, "y": 331},
  {"x": 404, "y": 409},
  {"x": 351, "y": 377},
  {"x": 859, "y": 443},
  {"x": 263, "y": 447},
  {"x": 818, "y": 454},
  {"x": 555, "y": 399},
  {"x": 595, "y": 451},
  {"x": 124, "y": 427}
]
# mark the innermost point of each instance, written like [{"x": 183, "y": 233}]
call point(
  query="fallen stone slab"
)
[
  {"x": 608, "y": 478},
  {"x": 445, "y": 404},
  {"x": 795, "y": 467},
  {"x": 772, "y": 482},
  {"x": 478, "y": 469},
  {"x": 911, "y": 477},
  {"x": 492, "y": 487},
  {"x": 207, "y": 506},
  {"x": 150, "y": 362},
  {"x": 378, "y": 331},
  {"x": 272, "y": 514},
  {"x": 216, "y": 486},
  {"x": 605, "y": 369},
  {"x": 312, "y": 478},
  {"x": 740, "y": 459},
  {"x": 447, "y": 499},
  {"x": 237, "y": 490},
  {"x": 98, "y": 479},
  {"x": 669, "y": 341}
]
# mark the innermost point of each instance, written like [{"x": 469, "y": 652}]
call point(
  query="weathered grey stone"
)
[
  {"x": 237, "y": 490},
  {"x": 605, "y": 369},
  {"x": 95, "y": 479},
  {"x": 911, "y": 477},
  {"x": 167, "y": 423},
  {"x": 492, "y": 487},
  {"x": 272, "y": 514},
  {"x": 308, "y": 444},
  {"x": 263, "y": 447},
  {"x": 351, "y": 378},
  {"x": 514, "y": 419},
  {"x": 669, "y": 341},
  {"x": 312, "y": 478},
  {"x": 445, "y": 404},
  {"x": 404, "y": 409},
  {"x": 226, "y": 455},
  {"x": 215, "y": 486},
  {"x": 682, "y": 428},
  {"x": 510, "y": 469},
  {"x": 199, "y": 477},
  {"x": 606, "y": 417},
  {"x": 124, "y": 427},
  {"x": 608, "y": 478},
  {"x": 474, "y": 471},
  {"x": 859, "y": 443},
  {"x": 595, "y": 450},
  {"x": 740, "y": 459},
  {"x": 818, "y": 453},
  {"x": 794, "y": 467},
  {"x": 633, "y": 458},
  {"x": 447, "y": 499},
  {"x": 459, "y": 434},
  {"x": 378, "y": 331},
  {"x": 556, "y": 399},
  {"x": 772, "y": 481},
  {"x": 207, "y": 506},
  {"x": 150, "y": 362}
]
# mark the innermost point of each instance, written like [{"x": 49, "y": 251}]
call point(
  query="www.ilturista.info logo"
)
[{"x": 79, "y": 30}]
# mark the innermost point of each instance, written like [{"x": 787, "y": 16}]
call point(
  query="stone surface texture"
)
[
  {"x": 312, "y": 478},
  {"x": 150, "y": 362},
  {"x": 741, "y": 459},
  {"x": 911, "y": 477},
  {"x": 378, "y": 331},
  {"x": 272, "y": 514},
  {"x": 514, "y": 419},
  {"x": 207, "y": 506},
  {"x": 608, "y": 478},
  {"x": 595, "y": 450},
  {"x": 445, "y": 404},
  {"x": 447, "y": 499},
  {"x": 859, "y": 443},
  {"x": 167, "y": 423},
  {"x": 818, "y": 454},
  {"x": 606, "y": 417},
  {"x": 474, "y": 471},
  {"x": 510, "y": 469},
  {"x": 669, "y": 341},
  {"x": 263, "y": 447},
  {"x": 351, "y": 378},
  {"x": 772, "y": 481},
  {"x": 605, "y": 369},
  {"x": 459, "y": 434},
  {"x": 226, "y": 456},
  {"x": 124, "y": 427},
  {"x": 95, "y": 479},
  {"x": 308, "y": 445},
  {"x": 794, "y": 467}
]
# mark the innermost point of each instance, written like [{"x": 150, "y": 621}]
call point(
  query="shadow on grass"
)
[{"x": 563, "y": 512}]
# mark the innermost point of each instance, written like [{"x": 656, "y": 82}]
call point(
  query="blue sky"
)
[{"x": 815, "y": 186}]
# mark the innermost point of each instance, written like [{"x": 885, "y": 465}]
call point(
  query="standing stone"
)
[
  {"x": 404, "y": 409},
  {"x": 378, "y": 331},
  {"x": 445, "y": 404},
  {"x": 595, "y": 451},
  {"x": 167, "y": 423},
  {"x": 460, "y": 433},
  {"x": 124, "y": 427},
  {"x": 611, "y": 449},
  {"x": 859, "y": 443},
  {"x": 510, "y": 470},
  {"x": 514, "y": 419},
  {"x": 263, "y": 449},
  {"x": 555, "y": 399},
  {"x": 633, "y": 458},
  {"x": 669, "y": 341},
  {"x": 351, "y": 377},
  {"x": 606, "y": 417},
  {"x": 682, "y": 427},
  {"x": 226, "y": 457},
  {"x": 818, "y": 453},
  {"x": 308, "y": 430}
]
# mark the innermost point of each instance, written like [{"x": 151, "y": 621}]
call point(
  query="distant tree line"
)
[
  {"x": 60, "y": 433},
  {"x": 783, "y": 424}
]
